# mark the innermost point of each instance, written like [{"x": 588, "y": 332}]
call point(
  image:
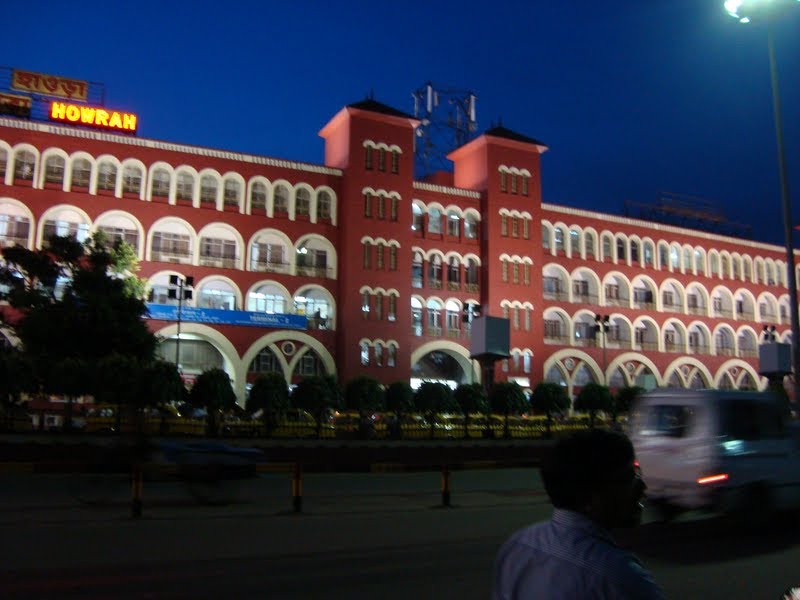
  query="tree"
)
[
  {"x": 73, "y": 303},
  {"x": 624, "y": 400},
  {"x": 213, "y": 391},
  {"x": 270, "y": 395},
  {"x": 318, "y": 395},
  {"x": 432, "y": 398},
  {"x": 471, "y": 398},
  {"x": 399, "y": 400},
  {"x": 16, "y": 378},
  {"x": 549, "y": 398},
  {"x": 506, "y": 398},
  {"x": 594, "y": 397},
  {"x": 365, "y": 395}
]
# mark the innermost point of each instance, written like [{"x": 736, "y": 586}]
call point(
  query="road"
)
[{"x": 360, "y": 536}]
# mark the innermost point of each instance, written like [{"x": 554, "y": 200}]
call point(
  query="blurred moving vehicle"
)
[{"x": 732, "y": 451}]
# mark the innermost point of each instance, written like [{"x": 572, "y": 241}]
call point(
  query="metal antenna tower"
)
[{"x": 448, "y": 121}]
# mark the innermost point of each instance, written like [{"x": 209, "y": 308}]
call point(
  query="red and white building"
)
[{"x": 353, "y": 266}]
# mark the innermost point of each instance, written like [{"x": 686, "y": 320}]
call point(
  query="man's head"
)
[{"x": 593, "y": 472}]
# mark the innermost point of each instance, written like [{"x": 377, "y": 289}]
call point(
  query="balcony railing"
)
[
  {"x": 673, "y": 347},
  {"x": 218, "y": 261},
  {"x": 306, "y": 271},
  {"x": 473, "y": 288},
  {"x": 434, "y": 331},
  {"x": 723, "y": 312},
  {"x": 748, "y": 352},
  {"x": 454, "y": 333},
  {"x": 672, "y": 307},
  {"x": 269, "y": 267},
  {"x": 453, "y": 286},
  {"x": 584, "y": 298},
  {"x": 698, "y": 349},
  {"x": 435, "y": 284},
  {"x": 7, "y": 241},
  {"x": 645, "y": 345},
  {"x": 556, "y": 339},
  {"x": 558, "y": 296},
  {"x": 745, "y": 315},
  {"x": 697, "y": 310},
  {"x": 646, "y": 305},
  {"x": 617, "y": 302},
  {"x": 318, "y": 323},
  {"x": 725, "y": 351},
  {"x": 172, "y": 257},
  {"x": 416, "y": 282}
]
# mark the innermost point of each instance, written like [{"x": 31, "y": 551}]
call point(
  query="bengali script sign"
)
[
  {"x": 214, "y": 316},
  {"x": 80, "y": 114},
  {"x": 49, "y": 85},
  {"x": 11, "y": 104}
]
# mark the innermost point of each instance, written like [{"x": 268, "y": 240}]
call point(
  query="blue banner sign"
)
[{"x": 216, "y": 316}]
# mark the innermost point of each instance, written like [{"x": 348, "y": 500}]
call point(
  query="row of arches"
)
[
  {"x": 106, "y": 174},
  {"x": 583, "y": 285},
  {"x": 645, "y": 333},
  {"x": 606, "y": 246}
]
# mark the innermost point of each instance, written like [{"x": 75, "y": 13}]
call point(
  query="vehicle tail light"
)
[{"x": 713, "y": 478}]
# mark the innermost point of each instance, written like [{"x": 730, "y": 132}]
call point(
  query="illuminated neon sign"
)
[{"x": 79, "y": 114}]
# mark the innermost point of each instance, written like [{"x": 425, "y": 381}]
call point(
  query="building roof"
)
[
  {"x": 378, "y": 107},
  {"x": 504, "y": 132}
]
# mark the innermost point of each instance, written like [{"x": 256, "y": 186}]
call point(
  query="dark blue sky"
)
[{"x": 633, "y": 97}]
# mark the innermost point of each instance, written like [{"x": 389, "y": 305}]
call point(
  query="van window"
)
[
  {"x": 667, "y": 420},
  {"x": 747, "y": 420}
]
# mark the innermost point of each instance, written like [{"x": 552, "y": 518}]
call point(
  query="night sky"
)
[{"x": 633, "y": 97}]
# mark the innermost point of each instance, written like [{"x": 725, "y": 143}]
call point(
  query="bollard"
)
[
  {"x": 136, "y": 491},
  {"x": 297, "y": 488},
  {"x": 445, "y": 485}
]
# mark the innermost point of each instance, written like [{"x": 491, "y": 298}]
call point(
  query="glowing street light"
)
[{"x": 747, "y": 11}]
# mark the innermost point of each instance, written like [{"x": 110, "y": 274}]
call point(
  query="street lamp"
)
[
  {"x": 747, "y": 11},
  {"x": 181, "y": 289},
  {"x": 601, "y": 325}
]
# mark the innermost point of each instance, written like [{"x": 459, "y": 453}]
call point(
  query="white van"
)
[{"x": 731, "y": 451}]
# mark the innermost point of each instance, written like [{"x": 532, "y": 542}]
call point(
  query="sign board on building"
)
[
  {"x": 17, "y": 106},
  {"x": 214, "y": 316},
  {"x": 79, "y": 114},
  {"x": 49, "y": 85}
]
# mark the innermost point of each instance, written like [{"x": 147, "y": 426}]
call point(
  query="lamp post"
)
[
  {"x": 601, "y": 325},
  {"x": 746, "y": 11},
  {"x": 181, "y": 289}
]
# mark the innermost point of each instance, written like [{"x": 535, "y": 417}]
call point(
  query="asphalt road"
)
[{"x": 360, "y": 536}]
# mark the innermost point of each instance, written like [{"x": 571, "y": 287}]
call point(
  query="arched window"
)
[
  {"x": 416, "y": 270},
  {"x": 107, "y": 176},
  {"x": 184, "y": 186},
  {"x": 54, "y": 170},
  {"x": 258, "y": 197},
  {"x": 81, "y": 173},
  {"x": 265, "y": 362},
  {"x": 323, "y": 206},
  {"x": 416, "y": 317},
  {"x": 434, "y": 310},
  {"x": 434, "y": 220},
  {"x": 302, "y": 207},
  {"x": 24, "y": 163}
]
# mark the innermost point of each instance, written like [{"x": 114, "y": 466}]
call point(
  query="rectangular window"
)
[
  {"x": 381, "y": 203},
  {"x": 381, "y": 159},
  {"x": 513, "y": 184},
  {"x": 503, "y": 181},
  {"x": 395, "y": 162},
  {"x": 365, "y": 305},
  {"x": 526, "y": 226},
  {"x": 379, "y": 306},
  {"x": 612, "y": 291},
  {"x": 580, "y": 288},
  {"x": 367, "y": 255},
  {"x": 526, "y": 272},
  {"x": 367, "y": 204},
  {"x": 392, "y": 308},
  {"x": 379, "y": 256},
  {"x": 393, "y": 258},
  {"x": 552, "y": 328},
  {"x": 514, "y": 227},
  {"x": 505, "y": 271},
  {"x": 503, "y": 225},
  {"x": 515, "y": 272},
  {"x": 525, "y": 185},
  {"x": 368, "y": 158},
  {"x": 394, "y": 209},
  {"x": 667, "y": 298}
]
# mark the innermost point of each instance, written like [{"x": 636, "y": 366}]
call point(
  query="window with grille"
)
[
  {"x": 367, "y": 204},
  {"x": 114, "y": 234},
  {"x": 393, "y": 258},
  {"x": 552, "y": 328},
  {"x": 14, "y": 229},
  {"x": 80, "y": 231},
  {"x": 367, "y": 255},
  {"x": 281, "y": 201},
  {"x": 503, "y": 225},
  {"x": 365, "y": 302},
  {"x": 217, "y": 248},
  {"x": 381, "y": 207},
  {"x": 107, "y": 176},
  {"x": 208, "y": 190},
  {"x": 302, "y": 206},
  {"x": 184, "y": 186},
  {"x": 81, "y": 173},
  {"x": 526, "y": 228},
  {"x": 504, "y": 271},
  {"x": 231, "y": 191},
  {"x": 368, "y": 157},
  {"x": 161, "y": 183},
  {"x": 324, "y": 206},
  {"x": 379, "y": 256},
  {"x": 381, "y": 159},
  {"x": 392, "y": 313},
  {"x": 395, "y": 203},
  {"x": 24, "y": 163},
  {"x": 503, "y": 181},
  {"x": 258, "y": 196},
  {"x": 171, "y": 243},
  {"x": 54, "y": 170},
  {"x": 513, "y": 184},
  {"x": 131, "y": 180},
  {"x": 525, "y": 180},
  {"x": 395, "y": 161}
]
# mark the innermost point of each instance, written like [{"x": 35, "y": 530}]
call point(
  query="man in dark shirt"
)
[{"x": 595, "y": 486}]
